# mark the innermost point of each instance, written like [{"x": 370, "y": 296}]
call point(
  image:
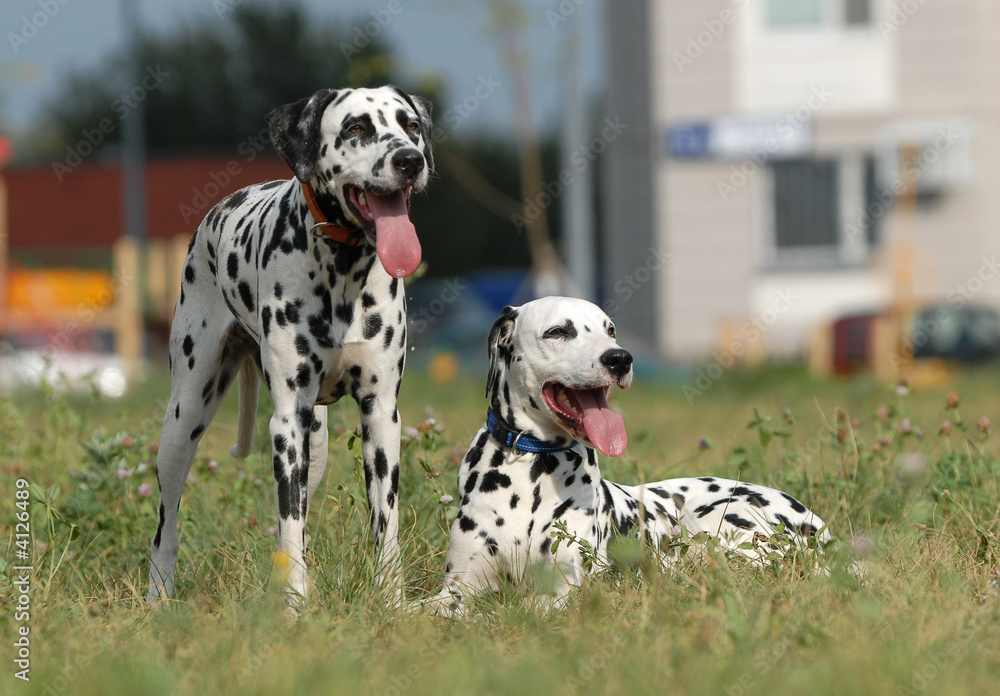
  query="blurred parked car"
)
[{"x": 967, "y": 334}]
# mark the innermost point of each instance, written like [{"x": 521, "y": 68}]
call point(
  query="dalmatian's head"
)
[
  {"x": 365, "y": 151},
  {"x": 552, "y": 362}
]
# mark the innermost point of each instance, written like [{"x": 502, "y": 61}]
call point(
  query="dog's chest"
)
[
  {"x": 520, "y": 498},
  {"x": 361, "y": 324},
  {"x": 341, "y": 316}
]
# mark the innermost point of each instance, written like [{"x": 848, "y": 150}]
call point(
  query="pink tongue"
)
[
  {"x": 396, "y": 239},
  {"x": 603, "y": 427}
]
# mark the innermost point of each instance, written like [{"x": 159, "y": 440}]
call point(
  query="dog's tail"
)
[{"x": 249, "y": 384}]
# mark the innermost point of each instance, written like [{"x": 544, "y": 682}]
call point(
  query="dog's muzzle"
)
[
  {"x": 409, "y": 162},
  {"x": 618, "y": 361}
]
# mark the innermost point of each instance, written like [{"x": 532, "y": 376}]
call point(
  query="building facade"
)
[{"x": 768, "y": 143}]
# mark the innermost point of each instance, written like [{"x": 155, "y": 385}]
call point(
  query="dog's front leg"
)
[
  {"x": 380, "y": 449},
  {"x": 291, "y": 438}
]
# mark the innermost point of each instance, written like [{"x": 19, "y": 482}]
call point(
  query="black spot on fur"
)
[
  {"x": 373, "y": 324},
  {"x": 246, "y": 295},
  {"x": 303, "y": 375},
  {"x": 545, "y": 463},
  {"x": 796, "y": 505},
  {"x": 265, "y": 320},
  {"x": 345, "y": 312},
  {"x": 381, "y": 463},
  {"x": 493, "y": 480},
  {"x": 470, "y": 483},
  {"x": 159, "y": 527},
  {"x": 367, "y": 404},
  {"x": 561, "y": 510},
  {"x": 737, "y": 521}
]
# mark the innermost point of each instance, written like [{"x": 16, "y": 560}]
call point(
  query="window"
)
[
  {"x": 794, "y": 13},
  {"x": 818, "y": 213},
  {"x": 877, "y": 205},
  {"x": 817, "y": 14},
  {"x": 857, "y": 12},
  {"x": 806, "y": 204}
]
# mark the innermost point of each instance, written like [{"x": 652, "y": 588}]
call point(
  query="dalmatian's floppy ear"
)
[
  {"x": 501, "y": 337},
  {"x": 423, "y": 107},
  {"x": 295, "y": 132}
]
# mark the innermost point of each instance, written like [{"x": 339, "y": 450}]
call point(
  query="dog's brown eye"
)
[
  {"x": 354, "y": 129},
  {"x": 611, "y": 331},
  {"x": 412, "y": 125},
  {"x": 555, "y": 332}
]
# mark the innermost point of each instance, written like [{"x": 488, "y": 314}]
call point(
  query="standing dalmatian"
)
[
  {"x": 534, "y": 463},
  {"x": 299, "y": 282}
]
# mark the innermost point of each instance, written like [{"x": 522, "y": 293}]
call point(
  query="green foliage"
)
[
  {"x": 218, "y": 78},
  {"x": 913, "y": 502}
]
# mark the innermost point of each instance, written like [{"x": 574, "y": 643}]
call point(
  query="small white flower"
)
[
  {"x": 272, "y": 530},
  {"x": 145, "y": 490},
  {"x": 445, "y": 499},
  {"x": 412, "y": 432},
  {"x": 124, "y": 473},
  {"x": 862, "y": 544}
]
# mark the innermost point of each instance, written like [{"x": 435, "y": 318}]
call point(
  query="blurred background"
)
[{"x": 734, "y": 181}]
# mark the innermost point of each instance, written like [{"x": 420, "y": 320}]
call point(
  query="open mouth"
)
[
  {"x": 587, "y": 415},
  {"x": 365, "y": 203},
  {"x": 386, "y": 220}
]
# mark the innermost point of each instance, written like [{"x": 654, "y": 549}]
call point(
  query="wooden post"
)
[
  {"x": 893, "y": 341},
  {"x": 820, "y": 349},
  {"x": 128, "y": 305},
  {"x": 156, "y": 276},
  {"x": 175, "y": 267},
  {"x": 4, "y": 250}
]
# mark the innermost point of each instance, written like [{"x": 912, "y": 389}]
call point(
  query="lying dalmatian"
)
[
  {"x": 299, "y": 282},
  {"x": 533, "y": 464}
]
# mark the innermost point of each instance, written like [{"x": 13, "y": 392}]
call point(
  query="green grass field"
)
[{"x": 919, "y": 507}]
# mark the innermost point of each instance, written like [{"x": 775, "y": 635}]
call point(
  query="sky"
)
[{"x": 45, "y": 39}]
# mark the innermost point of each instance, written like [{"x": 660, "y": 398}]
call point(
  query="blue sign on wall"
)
[{"x": 689, "y": 141}]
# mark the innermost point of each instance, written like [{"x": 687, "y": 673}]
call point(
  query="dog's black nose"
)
[
  {"x": 408, "y": 162},
  {"x": 617, "y": 360}
]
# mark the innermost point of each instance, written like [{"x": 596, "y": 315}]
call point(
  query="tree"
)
[
  {"x": 220, "y": 79},
  {"x": 215, "y": 82}
]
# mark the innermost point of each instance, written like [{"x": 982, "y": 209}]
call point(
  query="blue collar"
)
[{"x": 518, "y": 440}]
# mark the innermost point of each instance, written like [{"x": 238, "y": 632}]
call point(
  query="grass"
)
[{"x": 920, "y": 507}]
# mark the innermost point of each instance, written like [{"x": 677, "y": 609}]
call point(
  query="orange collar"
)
[{"x": 334, "y": 232}]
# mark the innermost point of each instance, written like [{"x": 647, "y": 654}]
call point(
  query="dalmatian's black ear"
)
[
  {"x": 501, "y": 337},
  {"x": 295, "y": 132},
  {"x": 423, "y": 107}
]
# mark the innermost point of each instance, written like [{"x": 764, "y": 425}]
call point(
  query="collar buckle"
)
[
  {"x": 518, "y": 440},
  {"x": 323, "y": 227}
]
